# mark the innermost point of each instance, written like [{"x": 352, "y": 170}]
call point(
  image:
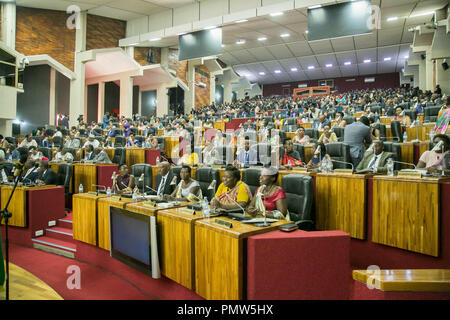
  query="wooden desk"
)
[
  {"x": 18, "y": 204},
  {"x": 421, "y": 132},
  {"x": 89, "y": 174},
  {"x": 407, "y": 154},
  {"x": 219, "y": 257},
  {"x": 386, "y": 120},
  {"x": 135, "y": 156},
  {"x": 172, "y": 147},
  {"x": 219, "y": 125},
  {"x": 419, "y": 280},
  {"x": 103, "y": 205},
  {"x": 110, "y": 152},
  {"x": 85, "y": 217},
  {"x": 406, "y": 213},
  {"x": 176, "y": 241},
  {"x": 341, "y": 203}
]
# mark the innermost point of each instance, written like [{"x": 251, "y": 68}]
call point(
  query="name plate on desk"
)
[
  {"x": 300, "y": 169},
  {"x": 92, "y": 193},
  {"x": 223, "y": 223},
  {"x": 343, "y": 171},
  {"x": 410, "y": 174},
  {"x": 187, "y": 211},
  {"x": 116, "y": 197}
]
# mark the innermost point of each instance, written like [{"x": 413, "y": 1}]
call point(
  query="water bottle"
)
[
  {"x": 323, "y": 166},
  {"x": 205, "y": 207},
  {"x": 80, "y": 188},
  {"x": 405, "y": 136},
  {"x": 108, "y": 191},
  {"x": 330, "y": 166},
  {"x": 157, "y": 160},
  {"x": 134, "y": 195},
  {"x": 390, "y": 167},
  {"x": 290, "y": 163}
]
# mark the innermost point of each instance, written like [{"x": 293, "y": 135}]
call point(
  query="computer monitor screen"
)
[
  {"x": 341, "y": 20},
  {"x": 200, "y": 44}
]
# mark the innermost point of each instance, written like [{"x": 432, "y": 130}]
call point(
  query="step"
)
[
  {"x": 56, "y": 246},
  {"x": 64, "y": 223},
  {"x": 64, "y": 234}
]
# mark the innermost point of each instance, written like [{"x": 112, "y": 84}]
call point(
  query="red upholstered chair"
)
[{"x": 298, "y": 265}]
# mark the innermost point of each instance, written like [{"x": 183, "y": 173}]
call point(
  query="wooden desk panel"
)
[
  {"x": 419, "y": 280},
  {"x": 85, "y": 217},
  {"x": 103, "y": 205},
  {"x": 341, "y": 203},
  {"x": 421, "y": 132},
  {"x": 172, "y": 147},
  {"x": 135, "y": 156},
  {"x": 407, "y": 154},
  {"x": 18, "y": 204},
  {"x": 110, "y": 152},
  {"x": 406, "y": 213},
  {"x": 85, "y": 174},
  {"x": 219, "y": 257}
]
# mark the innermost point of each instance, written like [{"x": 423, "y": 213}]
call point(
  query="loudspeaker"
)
[
  {"x": 16, "y": 129},
  {"x": 423, "y": 56},
  {"x": 445, "y": 66}
]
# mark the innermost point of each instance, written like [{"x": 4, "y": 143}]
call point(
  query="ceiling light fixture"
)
[
  {"x": 209, "y": 27},
  {"x": 294, "y": 69},
  {"x": 329, "y": 65},
  {"x": 392, "y": 19},
  {"x": 422, "y": 14},
  {"x": 155, "y": 39},
  {"x": 240, "y": 21},
  {"x": 262, "y": 73},
  {"x": 284, "y": 35},
  {"x": 242, "y": 41},
  {"x": 277, "y": 71},
  {"x": 311, "y": 67},
  {"x": 262, "y": 38},
  {"x": 387, "y": 59},
  {"x": 367, "y": 61},
  {"x": 347, "y": 63},
  {"x": 315, "y": 6},
  {"x": 276, "y": 14}
]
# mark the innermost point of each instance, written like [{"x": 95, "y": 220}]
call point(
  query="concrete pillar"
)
[
  {"x": 77, "y": 86},
  {"x": 227, "y": 92},
  {"x": 212, "y": 88},
  {"x": 422, "y": 75},
  {"x": 101, "y": 101},
  {"x": 130, "y": 51},
  {"x": 429, "y": 75},
  {"x": 126, "y": 97},
  {"x": 6, "y": 127},
  {"x": 165, "y": 57},
  {"x": 8, "y": 18},
  {"x": 52, "y": 104},
  {"x": 162, "y": 101},
  {"x": 443, "y": 76},
  {"x": 140, "y": 102},
  {"x": 189, "y": 96}
]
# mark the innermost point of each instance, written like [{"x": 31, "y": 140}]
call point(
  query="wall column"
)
[
  {"x": 126, "y": 97},
  {"x": 8, "y": 35},
  {"x": 77, "y": 86},
  {"x": 189, "y": 96},
  {"x": 101, "y": 101},
  {"x": 162, "y": 101},
  {"x": 52, "y": 105},
  {"x": 429, "y": 75},
  {"x": 212, "y": 88}
]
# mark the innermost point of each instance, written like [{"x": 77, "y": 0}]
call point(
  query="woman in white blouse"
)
[{"x": 187, "y": 190}]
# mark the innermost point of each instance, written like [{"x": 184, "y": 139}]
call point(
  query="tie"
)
[
  {"x": 372, "y": 163},
  {"x": 161, "y": 186},
  {"x": 246, "y": 157}
]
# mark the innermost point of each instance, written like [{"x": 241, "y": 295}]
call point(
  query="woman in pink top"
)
[
  {"x": 436, "y": 159},
  {"x": 300, "y": 137}
]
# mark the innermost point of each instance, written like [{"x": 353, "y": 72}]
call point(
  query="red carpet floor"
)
[{"x": 96, "y": 283}]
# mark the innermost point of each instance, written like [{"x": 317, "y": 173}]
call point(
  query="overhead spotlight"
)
[
  {"x": 276, "y": 14},
  {"x": 277, "y": 71},
  {"x": 329, "y": 65},
  {"x": 262, "y": 73},
  {"x": 284, "y": 35},
  {"x": 311, "y": 67},
  {"x": 294, "y": 69},
  {"x": 348, "y": 63}
]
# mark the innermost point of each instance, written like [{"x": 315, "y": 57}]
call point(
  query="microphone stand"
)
[{"x": 5, "y": 214}]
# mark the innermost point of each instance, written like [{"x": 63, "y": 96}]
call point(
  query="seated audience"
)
[
  {"x": 132, "y": 142},
  {"x": 290, "y": 158},
  {"x": 89, "y": 153},
  {"x": 401, "y": 117},
  {"x": 318, "y": 156},
  {"x": 30, "y": 172},
  {"x": 124, "y": 182},
  {"x": 91, "y": 141},
  {"x": 165, "y": 180},
  {"x": 375, "y": 161},
  {"x": 46, "y": 175},
  {"x": 28, "y": 142},
  {"x": 101, "y": 156},
  {"x": 246, "y": 156},
  {"x": 71, "y": 142},
  {"x": 187, "y": 190},
  {"x": 436, "y": 160},
  {"x": 189, "y": 157},
  {"x": 328, "y": 135},
  {"x": 301, "y": 137},
  {"x": 231, "y": 190},
  {"x": 269, "y": 199},
  {"x": 63, "y": 155},
  {"x": 12, "y": 154},
  {"x": 151, "y": 142}
]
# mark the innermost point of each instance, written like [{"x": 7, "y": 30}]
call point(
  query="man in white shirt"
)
[
  {"x": 72, "y": 143},
  {"x": 63, "y": 155},
  {"x": 91, "y": 141},
  {"x": 28, "y": 142}
]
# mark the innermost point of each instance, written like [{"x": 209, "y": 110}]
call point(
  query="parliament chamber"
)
[{"x": 168, "y": 174}]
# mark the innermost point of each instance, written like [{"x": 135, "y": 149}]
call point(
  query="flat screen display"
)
[
  {"x": 340, "y": 20},
  {"x": 130, "y": 238},
  {"x": 200, "y": 44}
]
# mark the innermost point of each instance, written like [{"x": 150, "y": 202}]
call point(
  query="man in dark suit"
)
[
  {"x": 375, "y": 161},
  {"x": 46, "y": 175},
  {"x": 355, "y": 135},
  {"x": 165, "y": 182},
  {"x": 30, "y": 172}
]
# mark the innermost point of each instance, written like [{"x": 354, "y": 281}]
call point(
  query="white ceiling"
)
[{"x": 277, "y": 53}]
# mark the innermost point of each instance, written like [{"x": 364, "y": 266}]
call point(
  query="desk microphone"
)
[
  {"x": 343, "y": 162},
  {"x": 151, "y": 189},
  {"x": 438, "y": 146},
  {"x": 407, "y": 163},
  {"x": 235, "y": 202},
  {"x": 97, "y": 185}
]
